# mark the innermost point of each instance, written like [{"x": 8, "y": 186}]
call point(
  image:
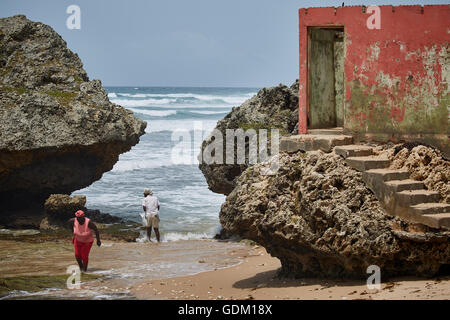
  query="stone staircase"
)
[
  {"x": 400, "y": 195},
  {"x": 315, "y": 139}
]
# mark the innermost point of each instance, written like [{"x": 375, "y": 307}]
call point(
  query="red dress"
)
[{"x": 82, "y": 239}]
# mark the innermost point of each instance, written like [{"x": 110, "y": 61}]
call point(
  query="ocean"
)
[{"x": 189, "y": 210}]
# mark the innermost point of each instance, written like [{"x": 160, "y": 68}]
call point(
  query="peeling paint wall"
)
[{"x": 395, "y": 78}]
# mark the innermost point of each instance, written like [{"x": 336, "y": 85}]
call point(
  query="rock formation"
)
[
  {"x": 425, "y": 163},
  {"x": 59, "y": 208},
  {"x": 59, "y": 132},
  {"x": 318, "y": 217},
  {"x": 270, "y": 108}
]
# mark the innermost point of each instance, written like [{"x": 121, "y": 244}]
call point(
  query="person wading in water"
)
[
  {"x": 82, "y": 238},
  {"x": 150, "y": 204}
]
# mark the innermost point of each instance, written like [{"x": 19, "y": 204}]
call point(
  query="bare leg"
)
[
  {"x": 157, "y": 234},
  {"x": 149, "y": 233},
  {"x": 80, "y": 263}
]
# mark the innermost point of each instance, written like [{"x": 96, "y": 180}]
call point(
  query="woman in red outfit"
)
[{"x": 82, "y": 238}]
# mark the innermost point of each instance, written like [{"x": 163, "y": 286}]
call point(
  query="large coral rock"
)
[
  {"x": 425, "y": 164},
  {"x": 59, "y": 208},
  {"x": 270, "y": 108},
  {"x": 58, "y": 130},
  {"x": 318, "y": 217}
]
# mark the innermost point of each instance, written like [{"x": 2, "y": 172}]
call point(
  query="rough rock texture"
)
[
  {"x": 270, "y": 108},
  {"x": 60, "y": 207},
  {"x": 58, "y": 130},
  {"x": 318, "y": 217},
  {"x": 63, "y": 207},
  {"x": 426, "y": 164}
]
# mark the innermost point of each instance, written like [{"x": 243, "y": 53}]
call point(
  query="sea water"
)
[{"x": 189, "y": 210}]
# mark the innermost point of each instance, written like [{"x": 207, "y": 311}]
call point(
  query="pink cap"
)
[{"x": 79, "y": 214}]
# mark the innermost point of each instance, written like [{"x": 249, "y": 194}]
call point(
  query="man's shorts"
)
[{"x": 153, "y": 221}]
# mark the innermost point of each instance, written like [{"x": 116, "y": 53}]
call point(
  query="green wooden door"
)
[{"x": 322, "y": 111}]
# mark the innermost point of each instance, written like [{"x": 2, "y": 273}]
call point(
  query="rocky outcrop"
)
[
  {"x": 270, "y": 108},
  {"x": 58, "y": 130},
  {"x": 426, "y": 164},
  {"x": 318, "y": 217},
  {"x": 59, "y": 208}
]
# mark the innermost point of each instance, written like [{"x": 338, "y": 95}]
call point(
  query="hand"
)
[{"x": 99, "y": 243}]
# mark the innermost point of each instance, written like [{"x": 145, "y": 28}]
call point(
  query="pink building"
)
[{"x": 379, "y": 72}]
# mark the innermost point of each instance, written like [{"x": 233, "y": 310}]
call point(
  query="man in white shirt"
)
[{"x": 150, "y": 204}]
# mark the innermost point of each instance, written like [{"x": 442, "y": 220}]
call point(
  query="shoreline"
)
[
  {"x": 113, "y": 268},
  {"x": 230, "y": 271},
  {"x": 255, "y": 279}
]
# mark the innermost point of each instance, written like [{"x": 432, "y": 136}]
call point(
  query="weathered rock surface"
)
[
  {"x": 318, "y": 217},
  {"x": 425, "y": 164},
  {"x": 270, "y": 108},
  {"x": 58, "y": 130},
  {"x": 61, "y": 207}
]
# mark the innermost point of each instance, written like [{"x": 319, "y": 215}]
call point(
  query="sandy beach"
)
[
  {"x": 191, "y": 270},
  {"x": 255, "y": 278},
  {"x": 117, "y": 266}
]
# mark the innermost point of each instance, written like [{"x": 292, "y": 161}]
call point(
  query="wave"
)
[
  {"x": 179, "y": 113},
  {"x": 183, "y": 125},
  {"x": 176, "y": 236},
  {"x": 141, "y": 103},
  {"x": 229, "y": 98},
  {"x": 130, "y": 165},
  {"x": 209, "y": 112},
  {"x": 189, "y": 99},
  {"x": 155, "y": 113}
]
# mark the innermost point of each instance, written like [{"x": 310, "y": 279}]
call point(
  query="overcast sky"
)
[{"x": 231, "y": 43}]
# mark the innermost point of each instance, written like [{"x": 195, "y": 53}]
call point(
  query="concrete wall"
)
[{"x": 395, "y": 78}]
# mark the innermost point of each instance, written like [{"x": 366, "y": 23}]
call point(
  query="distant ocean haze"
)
[{"x": 189, "y": 210}]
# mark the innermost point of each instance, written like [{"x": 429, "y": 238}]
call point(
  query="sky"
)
[{"x": 184, "y": 43}]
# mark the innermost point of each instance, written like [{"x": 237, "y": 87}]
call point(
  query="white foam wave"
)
[
  {"x": 147, "y": 99},
  {"x": 112, "y": 95},
  {"x": 207, "y": 97},
  {"x": 141, "y": 103},
  {"x": 176, "y": 236},
  {"x": 154, "y": 113},
  {"x": 209, "y": 112},
  {"x": 130, "y": 165},
  {"x": 183, "y": 125}
]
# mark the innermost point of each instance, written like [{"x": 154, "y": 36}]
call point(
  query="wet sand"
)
[
  {"x": 120, "y": 264},
  {"x": 256, "y": 279},
  {"x": 194, "y": 269}
]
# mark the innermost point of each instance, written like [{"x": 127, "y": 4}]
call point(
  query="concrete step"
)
[
  {"x": 438, "y": 221},
  {"x": 353, "y": 150},
  {"x": 327, "y": 131},
  {"x": 430, "y": 208},
  {"x": 310, "y": 142},
  {"x": 409, "y": 198},
  {"x": 367, "y": 163},
  {"x": 402, "y": 185},
  {"x": 386, "y": 174}
]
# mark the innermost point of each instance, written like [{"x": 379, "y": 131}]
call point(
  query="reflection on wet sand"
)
[{"x": 120, "y": 265}]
